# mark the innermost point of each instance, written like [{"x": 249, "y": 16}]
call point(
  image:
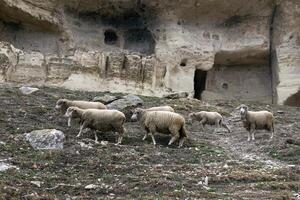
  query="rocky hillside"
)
[
  {"x": 211, "y": 165},
  {"x": 233, "y": 49}
]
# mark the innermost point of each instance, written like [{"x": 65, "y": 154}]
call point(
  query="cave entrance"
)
[
  {"x": 110, "y": 37},
  {"x": 199, "y": 83},
  {"x": 243, "y": 75},
  {"x": 293, "y": 100}
]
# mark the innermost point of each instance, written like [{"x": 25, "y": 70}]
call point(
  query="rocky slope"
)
[
  {"x": 155, "y": 47},
  {"x": 210, "y": 165}
]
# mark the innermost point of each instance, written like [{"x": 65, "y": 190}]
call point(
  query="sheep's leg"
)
[
  {"x": 217, "y": 123},
  {"x": 227, "y": 127},
  {"x": 272, "y": 130},
  {"x": 249, "y": 136},
  {"x": 145, "y": 136},
  {"x": 253, "y": 131},
  {"x": 69, "y": 121},
  {"x": 121, "y": 133},
  {"x": 96, "y": 137},
  {"x": 202, "y": 123},
  {"x": 181, "y": 141},
  {"x": 175, "y": 137},
  {"x": 151, "y": 131},
  {"x": 83, "y": 126},
  {"x": 153, "y": 139}
]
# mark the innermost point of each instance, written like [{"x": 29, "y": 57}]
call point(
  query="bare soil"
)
[{"x": 236, "y": 169}]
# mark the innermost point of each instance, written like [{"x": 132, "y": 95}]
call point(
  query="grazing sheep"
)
[
  {"x": 63, "y": 104},
  {"x": 161, "y": 108},
  {"x": 163, "y": 122},
  {"x": 101, "y": 120},
  {"x": 211, "y": 118},
  {"x": 259, "y": 120}
]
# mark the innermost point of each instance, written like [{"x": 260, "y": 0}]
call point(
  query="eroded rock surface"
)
[{"x": 246, "y": 50}]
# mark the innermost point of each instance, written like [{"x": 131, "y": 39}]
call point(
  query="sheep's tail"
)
[{"x": 183, "y": 132}]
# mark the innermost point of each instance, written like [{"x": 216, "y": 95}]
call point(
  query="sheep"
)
[
  {"x": 165, "y": 122},
  {"x": 211, "y": 118},
  {"x": 63, "y": 104},
  {"x": 161, "y": 108},
  {"x": 258, "y": 120},
  {"x": 101, "y": 120}
]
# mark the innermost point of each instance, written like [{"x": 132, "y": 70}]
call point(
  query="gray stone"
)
[
  {"x": 134, "y": 99},
  {"x": 105, "y": 99},
  {"x": 28, "y": 90},
  {"x": 46, "y": 139},
  {"x": 177, "y": 95},
  {"x": 126, "y": 104},
  {"x": 6, "y": 166},
  {"x": 128, "y": 101}
]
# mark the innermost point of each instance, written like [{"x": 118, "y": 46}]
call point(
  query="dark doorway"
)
[
  {"x": 110, "y": 37},
  {"x": 293, "y": 100},
  {"x": 199, "y": 82}
]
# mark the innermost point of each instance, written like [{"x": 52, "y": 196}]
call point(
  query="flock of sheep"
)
[{"x": 96, "y": 116}]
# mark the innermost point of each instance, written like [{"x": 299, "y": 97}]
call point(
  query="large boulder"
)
[
  {"x": 46, "y": 139},
  {"x": 126, "y": 104},
  {"x": 105, "y": 99}
]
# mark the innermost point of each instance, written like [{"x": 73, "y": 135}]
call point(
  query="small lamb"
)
[{"x": 211, "y": 118}]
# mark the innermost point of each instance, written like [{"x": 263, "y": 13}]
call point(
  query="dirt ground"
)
[{"x": 234, "y": 168}]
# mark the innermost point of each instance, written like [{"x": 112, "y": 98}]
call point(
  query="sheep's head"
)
[
  {"x": 243, "y": 110},
  {"x": 136, "y": 114},
  {"x": 71, "y": 112},
  {"x": 191, "y": 117},
  {"x": 61, "y": 104}
]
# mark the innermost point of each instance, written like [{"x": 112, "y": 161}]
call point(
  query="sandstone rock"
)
[
  {"x": 46, "y": 139},
  {"x": 105, "y": 99},
  {"x": 67, "y": 48}
]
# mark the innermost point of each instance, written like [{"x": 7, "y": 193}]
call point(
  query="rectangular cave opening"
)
[
  {"x": 241, "y": 75},
  {"x": 199, "y": 83}
]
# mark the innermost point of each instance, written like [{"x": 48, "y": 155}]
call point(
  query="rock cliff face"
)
[{"x": 234, "y": 49}]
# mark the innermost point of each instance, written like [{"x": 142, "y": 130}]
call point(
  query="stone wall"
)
[{"x": 153, "y": 47}]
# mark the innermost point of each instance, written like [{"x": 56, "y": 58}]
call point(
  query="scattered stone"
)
[
  {"x": 83, "y": 145},
  {"x": 106, "y": 99},
  {"x": 177, "y": 95},
  {"x": 37, "y": 183},
  {"x": 104, "y": 143},
  {"x": 91, "y": 186},
  {"x": 6, "y": 166},
  {"x": 280, "y": 112},
  {"x": 46, "y": 139},
  {"x": 28, "y": 90}
]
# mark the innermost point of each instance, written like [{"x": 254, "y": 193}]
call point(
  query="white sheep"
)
[
  {"x": 163, "y": 122},
  {"x": 210, "y": 118},
  {"x": 258, "y": 120},
  {"x": 161, "y": 108},
  {"x": 101, "y": 120},
  {"x": 63, "y": 104}
]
